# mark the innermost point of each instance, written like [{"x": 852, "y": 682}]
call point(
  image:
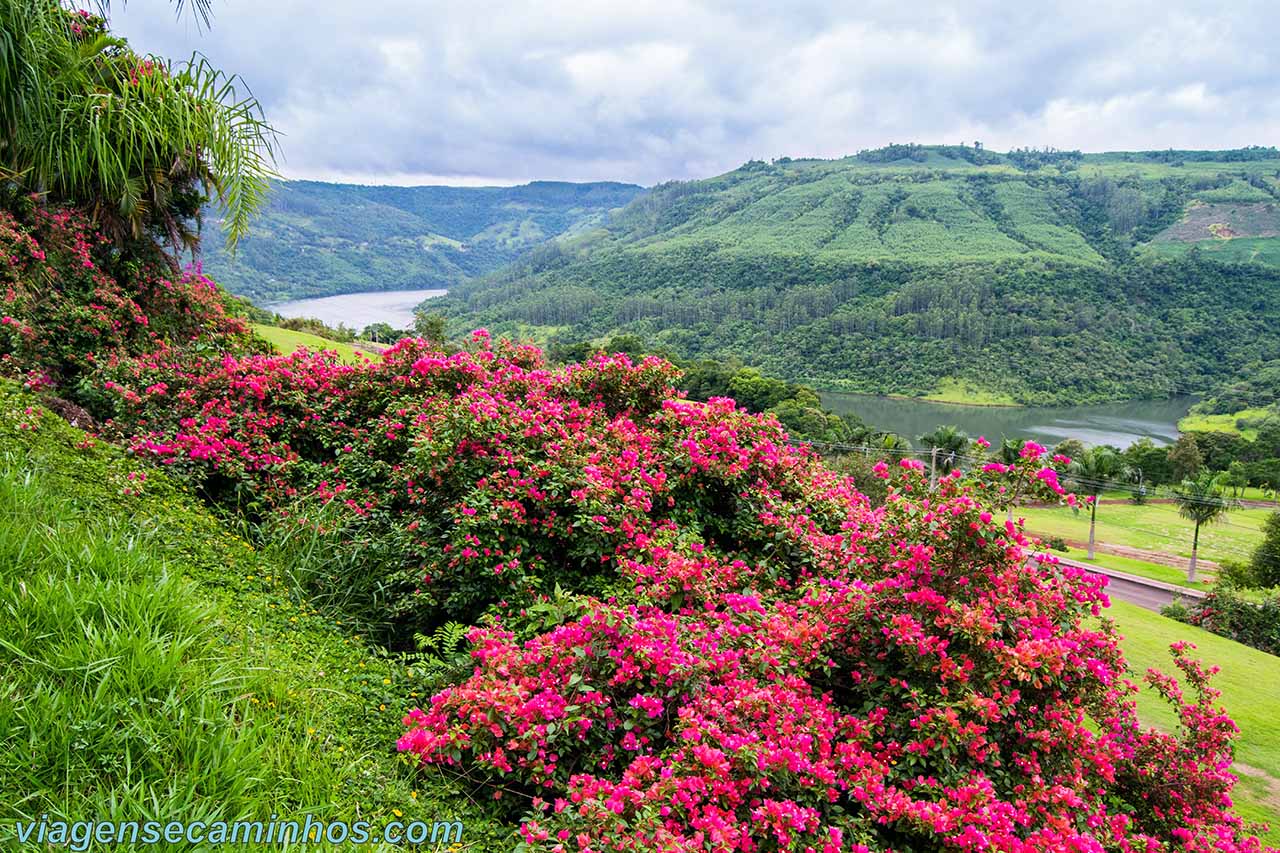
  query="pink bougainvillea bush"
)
[
  {"x": 694, "y": 636},
  {"x": 918, "y": 685},
  {"x": 756, "y": 659},
  {"x": 75, "y": 304}
]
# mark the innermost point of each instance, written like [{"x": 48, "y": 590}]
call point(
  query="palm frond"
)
[{"x": 90, "y": 121}]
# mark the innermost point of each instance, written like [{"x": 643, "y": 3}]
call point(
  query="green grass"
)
[
  {"x": 1153, "y": 527},
  {"x": 952, "y": 390},
  {"x": 1142, "y": 568},
  {"x": 1222, "y": 423},
  {"x": 1240, "y": 250},
  {"x": 286, "y": 341},
  {"x": 153, "y": 666},
  {"x": 1250, "y": 694}
]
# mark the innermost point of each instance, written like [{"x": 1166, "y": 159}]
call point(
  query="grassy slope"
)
[
  {"x": 961, "y": 391},
  {"x": 153, "y": 667},
  {"x": 1250, "y": 693},
  {"x": 286, "y": 341},
  {"x": 1222, "y": 423},
  {"x": 1153, "y": 527}
]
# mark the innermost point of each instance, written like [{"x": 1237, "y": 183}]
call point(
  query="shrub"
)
[
  {"x": 1250, "y": 619},
  {"x": 1265, "y": 564},
  {"x": 919, "y": 685},
  {"x": 136, "y": 140},
  {"x": 1234, "y": 573},
  {"x": 74, "y": 307}
]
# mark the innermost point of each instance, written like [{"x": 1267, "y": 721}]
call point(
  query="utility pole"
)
[{"x": 933, "y": 468}]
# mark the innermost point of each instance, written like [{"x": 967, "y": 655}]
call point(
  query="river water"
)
[
  {"x": 1118, "y": 424},
  {"x": 357, "y": 310}
]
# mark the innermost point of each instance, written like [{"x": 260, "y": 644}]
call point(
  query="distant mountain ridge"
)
[
  {"x": 1049, "y": 276},
  {"x": 318, "y": 239}
]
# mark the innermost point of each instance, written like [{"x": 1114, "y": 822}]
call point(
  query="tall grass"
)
[
  {"x": 154, "y": 666},
  {"x": 117, "y": 695}
]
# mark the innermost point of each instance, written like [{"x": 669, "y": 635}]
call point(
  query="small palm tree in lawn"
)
[
  {"x": 1202, "y": 501},
  {"x": 1089, "y": 474}
]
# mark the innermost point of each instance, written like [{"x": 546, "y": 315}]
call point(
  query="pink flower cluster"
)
[{"x": 70, "y": 317}]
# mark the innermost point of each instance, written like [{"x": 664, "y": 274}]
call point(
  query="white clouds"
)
[{"x": 645, "y": 91}]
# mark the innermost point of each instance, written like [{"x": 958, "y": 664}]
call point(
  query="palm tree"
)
[
  {"x": 1089, "y": 474},
  {"x": 895, "y": 447},
  {"x": 1202, "y": 501},
  {"x": 136, "y": 140},
  {"x": 948, "y": 444}
]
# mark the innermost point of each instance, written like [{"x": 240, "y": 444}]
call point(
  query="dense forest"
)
[
  {"x": 1043, "y": 276},
  {"x": 319, "y": 239}
]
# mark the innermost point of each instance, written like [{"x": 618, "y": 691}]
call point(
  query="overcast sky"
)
[{"x": 466, "y": 92}]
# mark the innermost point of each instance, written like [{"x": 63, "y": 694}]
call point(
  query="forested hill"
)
[
  {"x": 1036, "y": 275},
  {"x": 316, "y": 239}
]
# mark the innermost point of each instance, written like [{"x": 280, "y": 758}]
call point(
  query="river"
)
[
  {"x": 1118, "y": 424},
  {"x": 357, "y": 310}
]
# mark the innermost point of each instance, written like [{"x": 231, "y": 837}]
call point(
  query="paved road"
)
[
  {"x": 1141, "y": 594},
  {"x": 1138, "y": 590}
]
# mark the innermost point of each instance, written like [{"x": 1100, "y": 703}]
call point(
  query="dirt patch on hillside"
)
[{"x": 1224, "y": 222}]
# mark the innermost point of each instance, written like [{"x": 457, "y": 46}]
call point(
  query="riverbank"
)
[
  {"x": 359, "y": 310},
  {"x": 1119, "y": 424}
]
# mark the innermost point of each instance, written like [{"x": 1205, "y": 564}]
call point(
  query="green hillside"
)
[
  {"x": 318, "y": 239},
  {"x": 1044, "y": 276}
]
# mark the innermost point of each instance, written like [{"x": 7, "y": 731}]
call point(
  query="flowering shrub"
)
[
  {"x": 751, "y": 656},
  {"x": 484, "y": 476},
  {"x": 919, "y": 686},
  {"x": 74, "y": 307},
  {"x": 1252, "y": 620}
]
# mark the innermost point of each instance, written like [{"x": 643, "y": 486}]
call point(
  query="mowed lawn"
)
[
  {"x": 287, "y": 341},
  {"x": 1223, "y": 423},
  {"x": 1250, "y": 685},
  {"x": 1153, "y": 527},
  {"x": 1142, "y": 568}
]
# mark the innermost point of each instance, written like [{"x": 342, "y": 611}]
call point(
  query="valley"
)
[
  {"x": 315, "y": 239},
  {"x": 1030, "y": 277}
]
